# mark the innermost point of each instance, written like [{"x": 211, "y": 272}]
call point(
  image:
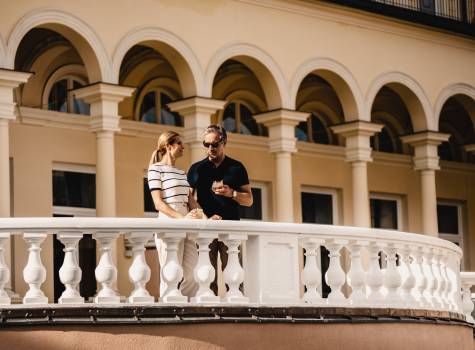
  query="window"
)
[
  {"x": 61, "y": 99},
  {"x": 450, "y": 221},
  {"x": 386, "y": 211},
  {"x": 258, "y": 210},
  {"x": 313, "y": 130},
  {"x": 238, "y": 118},
  {"x": 154, "y": 109},
  {"x": 319, "y": 206},
  {"x": 74, "y": 194}
]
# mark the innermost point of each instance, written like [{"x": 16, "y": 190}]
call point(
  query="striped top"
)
[{"x": 170, "y": 181}]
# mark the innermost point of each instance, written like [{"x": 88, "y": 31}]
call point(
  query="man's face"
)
[{"x": 215, "y": 149}]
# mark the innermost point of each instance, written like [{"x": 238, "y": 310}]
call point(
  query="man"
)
[{"x": 221, "y": 184}]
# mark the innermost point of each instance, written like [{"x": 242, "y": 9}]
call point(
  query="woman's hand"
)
[{"x": 196, "y": 214}]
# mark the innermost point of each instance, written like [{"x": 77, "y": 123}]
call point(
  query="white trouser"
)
[{"x": 187, "y": 256}]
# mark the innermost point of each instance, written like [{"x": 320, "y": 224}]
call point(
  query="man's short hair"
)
[{"x": 219, "y": 130}]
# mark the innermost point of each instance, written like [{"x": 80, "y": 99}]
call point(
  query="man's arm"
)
[{"x": 243, "y": 196}]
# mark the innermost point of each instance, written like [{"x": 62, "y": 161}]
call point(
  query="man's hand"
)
[{"x": 223, "y": 190}]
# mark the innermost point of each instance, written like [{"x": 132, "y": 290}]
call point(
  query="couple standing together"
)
[{"x": 221, "y": 185}]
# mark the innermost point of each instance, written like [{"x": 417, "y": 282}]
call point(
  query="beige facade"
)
[{"x": 274, "y": 57}]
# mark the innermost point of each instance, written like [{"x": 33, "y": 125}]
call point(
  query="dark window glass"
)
[
  {"x": 301, "y": 132},
  {"x": 248, "y": 123},
  {"x": 229, "y": 118},
  {"x": 79, "y": 106},
  {"x": 447, "y": 219},
  {"x": 148, "y": 108},
  {"x": 253, "y": 212},
  {"x": 385, "y": 141},
  {"x": 317, "y": 208},
  {"x": 168, "y": 117},
  {"x": 319, "y": 132},
  {"x": 71, "y": 189},
  {"x": 58, "y": 96},
  {"x": 445, "y": 151},
  {"x": 147, "y": 198},
  {"x": 383, "y": 213}
]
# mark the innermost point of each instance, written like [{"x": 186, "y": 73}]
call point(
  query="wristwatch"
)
[{"x": 235, "y": 195}]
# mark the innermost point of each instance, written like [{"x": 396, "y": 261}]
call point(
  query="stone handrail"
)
[{"x": 419, "y": 272}]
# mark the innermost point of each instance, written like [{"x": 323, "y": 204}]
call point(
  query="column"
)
[
  {"x": 104, "y": 100},
  {"x": 196, "y": 113},
  {"x": 426, "y": 161},
  {"x": 358, "y": 152},
  {"x": 282, "y": 142},
  {"x": 9, "y": 80}
]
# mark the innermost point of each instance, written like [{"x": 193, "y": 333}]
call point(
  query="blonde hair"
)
[{"x": 165, "y": 139}]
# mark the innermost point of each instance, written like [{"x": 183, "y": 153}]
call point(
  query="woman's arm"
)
[{"x": 163, "y": 207}]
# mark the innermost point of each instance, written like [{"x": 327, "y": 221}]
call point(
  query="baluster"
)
[
  {"x": 421, "y": 281},
  {"x": 467, "y": 281},
  {"x": 311, "y": 274},
  {"x": 4, "y": 270},
  {"x": 427, "y": 270},
  {"x": 70, "y": 273},
  {"x": 444, "y": 285},
  {"x": 233, "y": 273},
  {"x": 204, "y": 272},
  {"x": 171, "y": 273},
  {"x": 139, "y": 271},
  {"x": 106, "y": 272},
  {"x": 392, "y": 278},
  {"x": 457, "y": 287},
  {"x": 375, "y": 276},
  {"x": 335, "y": 275},
  {"x": 409, "y": 280},
  {"x": 34, "y": 272},
  {"x": 357, "y": 276},
  {"x": 451, "y": 287},
  {"x": 437, "y": 301}
]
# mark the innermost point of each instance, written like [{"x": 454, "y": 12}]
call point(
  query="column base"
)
[
  {"x": 71, "y": 300},
  {"x": 107, "y": 300},
  {"x": 206, "y": 299},
  {"x": 176, "y": 299},
  {"x": 35, "y": 300},
  {"x": 5, "y": 301},
  {"x": 141, "y": 300},
  {"x": 236, "y": 300}
]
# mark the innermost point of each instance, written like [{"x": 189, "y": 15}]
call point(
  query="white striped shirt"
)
[{"x": 170, "y": 181}]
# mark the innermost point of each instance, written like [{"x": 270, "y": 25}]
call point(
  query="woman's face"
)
[{"x": 176, "y": 148}]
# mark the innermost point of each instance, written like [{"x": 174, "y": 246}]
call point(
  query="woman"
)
[{"x": 173, "y": 199}]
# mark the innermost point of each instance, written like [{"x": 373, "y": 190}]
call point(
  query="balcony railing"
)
[
  {"x": 452, "y": 15},
  {"x": 380, "y": 268}
]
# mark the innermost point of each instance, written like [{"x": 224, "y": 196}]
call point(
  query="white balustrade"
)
[
  {"x": 467, "y": 281},
  {"x": 311, "y": 273},
  {"x": 420, "y": 272},
  {"x": 4, "y": 270},
  {"x": 106, "y": 272},
  {"x": 233, "y": 273},
  {"x": 171, "y": 273},
  {"x": 204, "y": 272},
  {"x": 335, "y": 275},
  {"x": 139, "y": 271},
  {"x": 357, "y": 275},
  {"x": 70, "y": 272},
  {"x": 34, "y": 272}
]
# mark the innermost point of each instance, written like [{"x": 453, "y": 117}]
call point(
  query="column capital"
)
[
  {"x": 9, "y": 80},
  {"x": 357, "y": 135},
  {"x": 281, "y": 124},
  {"x": 425, "y": 148},
  {"x": 193, "y": 105},
  {"x": 104, "y": 100}
]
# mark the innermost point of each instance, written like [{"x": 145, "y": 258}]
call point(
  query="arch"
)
[
  {"x": 340, "y": 78},
  {"x": 411, "y": 93},
  {"x": 3, "y": 52},
  {"x": 260, "y": 63},
  {"x": 81, "y": 36},
  {"x": 468, "y": 102},
  {"x": 174, "y": 49},
  {"x": 75, "y": 70}
]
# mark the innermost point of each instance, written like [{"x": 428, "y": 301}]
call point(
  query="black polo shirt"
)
[{"x": 201, "y": 176}]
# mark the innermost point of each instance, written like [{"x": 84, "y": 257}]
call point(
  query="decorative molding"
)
[
  {"x": 315, "y": 150},
  {"x": 98, "y": 71},
  {"x": 53, "y": 119},
  {"x": 193, "y": 80},
  {"x": 360, "y": 19},
  {"x": 194, "y": 105},
  {"x": 448, "y": 92},
  {"x": 425, "y": 149},
  {"x": 145, "y": 130},
  {"x": 323, "y": 63},
  {"x": 242, "y": 49}
]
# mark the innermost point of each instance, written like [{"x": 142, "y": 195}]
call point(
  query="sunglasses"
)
[{"x": 213, "y": 145}]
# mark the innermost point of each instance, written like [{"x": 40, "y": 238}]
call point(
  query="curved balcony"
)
[{"x": 371, "y": 273}]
